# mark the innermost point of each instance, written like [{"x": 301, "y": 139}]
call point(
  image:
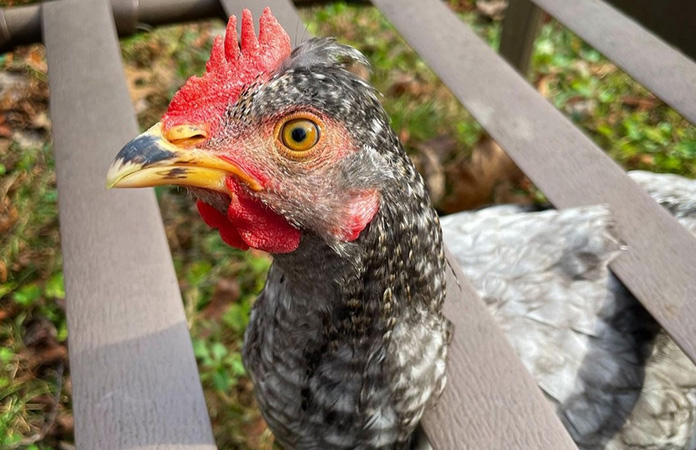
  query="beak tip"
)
[{"x": 115, "y": 173}]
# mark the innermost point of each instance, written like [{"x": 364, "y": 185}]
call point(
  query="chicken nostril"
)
[
  {"x": 185, "y": 135},
  {"x": 188, "y": 141}
]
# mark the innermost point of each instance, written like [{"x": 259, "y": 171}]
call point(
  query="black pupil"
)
[{"x": 298, "y": 134}]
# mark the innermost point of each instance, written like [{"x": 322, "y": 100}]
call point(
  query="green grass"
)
[
  {"x": 219, "y": 283},
  {"x": 622, "y": 117}
]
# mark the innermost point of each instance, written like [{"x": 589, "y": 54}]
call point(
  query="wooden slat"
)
[
  {"x": 134, "y": 376},
  {"x": 659, "y": 265},
  {"x": 491, "y": 401},
  {"x": 520, "y": 27},
  {"x": 666, "y": 72}
]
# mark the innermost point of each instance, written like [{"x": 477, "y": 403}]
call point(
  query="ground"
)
[{"x": 464, "y": 169}]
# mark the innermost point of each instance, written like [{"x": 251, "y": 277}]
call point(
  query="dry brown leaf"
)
[
  {"x": 41, "y": 121},
  {"x": 602, "y": 70},
  {"x": 492, "y": 9},
  {"x": 48, "y": 357},
  {"x": 257, "y": 434},
  {"x": 42, "y": 346},
  {"x": 66, "y": 424},
  {"x": 404, "y": 136},
  {"x": 227, "y": 291},
  {"x": 640, "y": 103},
  {"x": 488, "y": 176},
  {"x": 5, "y": 129},
  {"x": 544, "y": 85},
  {"x": 429, "y": 162},
  {"x": 405, "y": 84},
  {"x": 4, "y": 146},
  {"x": 37, "y": 59},
  {"x": 360, "y": 71},
  {"x": 139, "y": 84},
  {"x": 3, "y": 272},
  {"x": 8, "y": 215},
  {"x": 8, "y": 310}
]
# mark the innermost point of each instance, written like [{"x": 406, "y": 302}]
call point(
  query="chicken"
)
[
  {"x": 290, "y": 153},
  {"x": 615, "y": 379}
]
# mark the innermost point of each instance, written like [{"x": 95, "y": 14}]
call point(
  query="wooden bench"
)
[{"x": 135, "y": 380}]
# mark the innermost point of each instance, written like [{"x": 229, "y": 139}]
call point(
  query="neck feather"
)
[{"x": 394, "y": 269}]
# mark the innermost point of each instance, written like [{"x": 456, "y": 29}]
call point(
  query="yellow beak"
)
[{"x": 152, "y": 160}]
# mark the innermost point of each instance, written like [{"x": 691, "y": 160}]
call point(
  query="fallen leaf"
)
[
  {"x": 602, "y": 70},
  {"x": 66, "y": 424},
  {"x": 360, "y": 71},
  {"x": 37, "y": 59},
  {"x": 258, "y": 436},
  {"x": 404, "y": 136},
  {"x": 405, "y": 84},
  {"x": 48, "y": 357},
  {"x": 640, "y": 103},
  {"x": 544, "y": 85},
  {"x": 8, "y": 310},
  {"x": 41, "y": 121},
  {"x": 488, "y": 176},
  {"x": 3, "y": 272},
  {"x": 8, "y": 217},
  {"x": 139, "y": 84},
  {"x": 40, "y": 339},
  {"x": 226, "y": 291},
  {"x": 492, "y": 9},
  {"x": 429, "y": 158},
  {"x": 5, "y": 128}
]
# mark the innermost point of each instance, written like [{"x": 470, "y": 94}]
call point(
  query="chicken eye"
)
[{"x": 300, "y": 135}]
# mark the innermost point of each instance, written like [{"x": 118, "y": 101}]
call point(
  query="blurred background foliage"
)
[{"x": 462, "y": 166}]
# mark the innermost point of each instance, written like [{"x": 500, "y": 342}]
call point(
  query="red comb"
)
[{"x": 202, "y": 100}]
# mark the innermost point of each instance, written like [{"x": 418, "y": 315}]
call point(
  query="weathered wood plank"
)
[
  {"x": 491, "y": 402},
  {"x": 520, "y": 27},
  {"x": 659, "y": 266},
  {"x": 135, "y": 381},
  {"x": 666, "y": 72}
]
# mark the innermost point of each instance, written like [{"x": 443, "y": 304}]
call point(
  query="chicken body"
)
[
  {"x": 290, "y": 153},
  {"x": 616, "y": 380},
  {"x": 347, "y": 361},
  {"x": 347, "y": 344}
]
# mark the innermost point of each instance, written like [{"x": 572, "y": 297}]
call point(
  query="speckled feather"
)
[
  {"x": 616, "y": 380},
  {"x": 346, "y": 345}
]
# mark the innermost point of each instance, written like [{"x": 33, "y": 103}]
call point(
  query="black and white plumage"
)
[
  {"x": 616, "y": 380},
  {"x": 347, "y": 343}
]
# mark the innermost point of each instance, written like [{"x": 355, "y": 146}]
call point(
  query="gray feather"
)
[{"x": 616, "y": 381}]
